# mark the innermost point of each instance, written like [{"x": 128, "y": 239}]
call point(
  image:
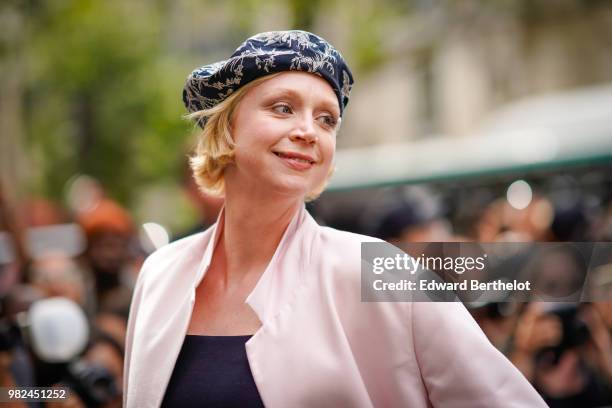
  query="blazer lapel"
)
[
  {"x": 277, "y": 287},
  {"x": 277, "y": 282}
]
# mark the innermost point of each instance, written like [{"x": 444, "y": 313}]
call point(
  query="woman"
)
[{"x": 267, "y": 278}]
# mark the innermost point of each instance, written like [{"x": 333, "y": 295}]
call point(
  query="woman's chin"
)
[
  {"x": 274, "y": 185},
  {"x": 290, "y": 192},
  {"x": 297, "y": 189}
]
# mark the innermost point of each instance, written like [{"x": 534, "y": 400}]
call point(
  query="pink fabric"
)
[{"x": 319, "y": 345}]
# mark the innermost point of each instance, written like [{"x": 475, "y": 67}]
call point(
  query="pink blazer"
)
[{"x": 319, "y": 345}]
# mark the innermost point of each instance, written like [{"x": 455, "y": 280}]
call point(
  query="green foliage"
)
[
  {"x": 369, "y": 30},
  {"x": 100, "y": 100},
  {"x": 304, "y": 13}
]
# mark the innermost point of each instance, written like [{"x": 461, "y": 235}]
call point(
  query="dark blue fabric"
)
[
  {"x": 212, "y": 371},
  {"x": 265, "y": 54}
]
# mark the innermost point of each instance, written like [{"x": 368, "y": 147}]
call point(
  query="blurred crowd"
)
[
  {"x": 67, "y": 273},
  {"x": 563, "y": 348},
  {"x": 90, "y": 261}
]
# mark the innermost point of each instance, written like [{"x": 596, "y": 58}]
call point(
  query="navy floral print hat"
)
[{"x": 264, "y": 54}]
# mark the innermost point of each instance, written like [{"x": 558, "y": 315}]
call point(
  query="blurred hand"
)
[
  {"x": 563, "y": 379},
  {"x": 598, "y": 352},
  {"x": 536, "y": 330}
]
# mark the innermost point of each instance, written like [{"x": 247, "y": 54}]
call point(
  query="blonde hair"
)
[{"x": 214, "y": 150}]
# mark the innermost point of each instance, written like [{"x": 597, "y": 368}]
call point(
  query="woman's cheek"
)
[
  {"x": 270, "y": 129},
  {"x": 330, "y": 152},
  {"x": 326, "y": 166}
]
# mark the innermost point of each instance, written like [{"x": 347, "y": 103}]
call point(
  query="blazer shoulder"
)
[
  {"x": 343, "y": 239},
  {"x": 174, "y": 253},
  {"x": 342, "y": 249}
]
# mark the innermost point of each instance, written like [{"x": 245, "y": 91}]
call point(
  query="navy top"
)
[{"x": 212, "y": 371}]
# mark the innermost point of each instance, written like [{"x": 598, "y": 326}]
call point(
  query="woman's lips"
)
[{"x": 296, "y": 161}]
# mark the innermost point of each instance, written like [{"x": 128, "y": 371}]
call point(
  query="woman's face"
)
[{"x": 285, "y": 135}]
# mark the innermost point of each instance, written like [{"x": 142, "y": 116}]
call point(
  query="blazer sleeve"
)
[
  {"x": 459, "y": 366},
  {"x": 129, "y": 339}
]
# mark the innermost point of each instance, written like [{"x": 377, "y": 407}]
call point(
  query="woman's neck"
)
[{"x": 252, "y": 231}]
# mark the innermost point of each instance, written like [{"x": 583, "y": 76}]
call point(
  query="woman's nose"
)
[{"x": 304, "y": 132}]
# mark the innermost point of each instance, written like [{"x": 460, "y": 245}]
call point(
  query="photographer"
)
[{"x": 555, "y": 348}]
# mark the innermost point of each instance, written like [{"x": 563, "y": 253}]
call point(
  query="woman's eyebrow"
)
[
  {"x": 328, "y": 104},
  {"x": 282, "y": 92}
]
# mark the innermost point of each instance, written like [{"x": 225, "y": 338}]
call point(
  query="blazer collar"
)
[{"x": 277, "y": 282}]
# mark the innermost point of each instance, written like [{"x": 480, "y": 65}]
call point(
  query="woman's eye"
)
[
  {"x": 283, "y": 108},
  {"x": 328, "y": 121}
]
